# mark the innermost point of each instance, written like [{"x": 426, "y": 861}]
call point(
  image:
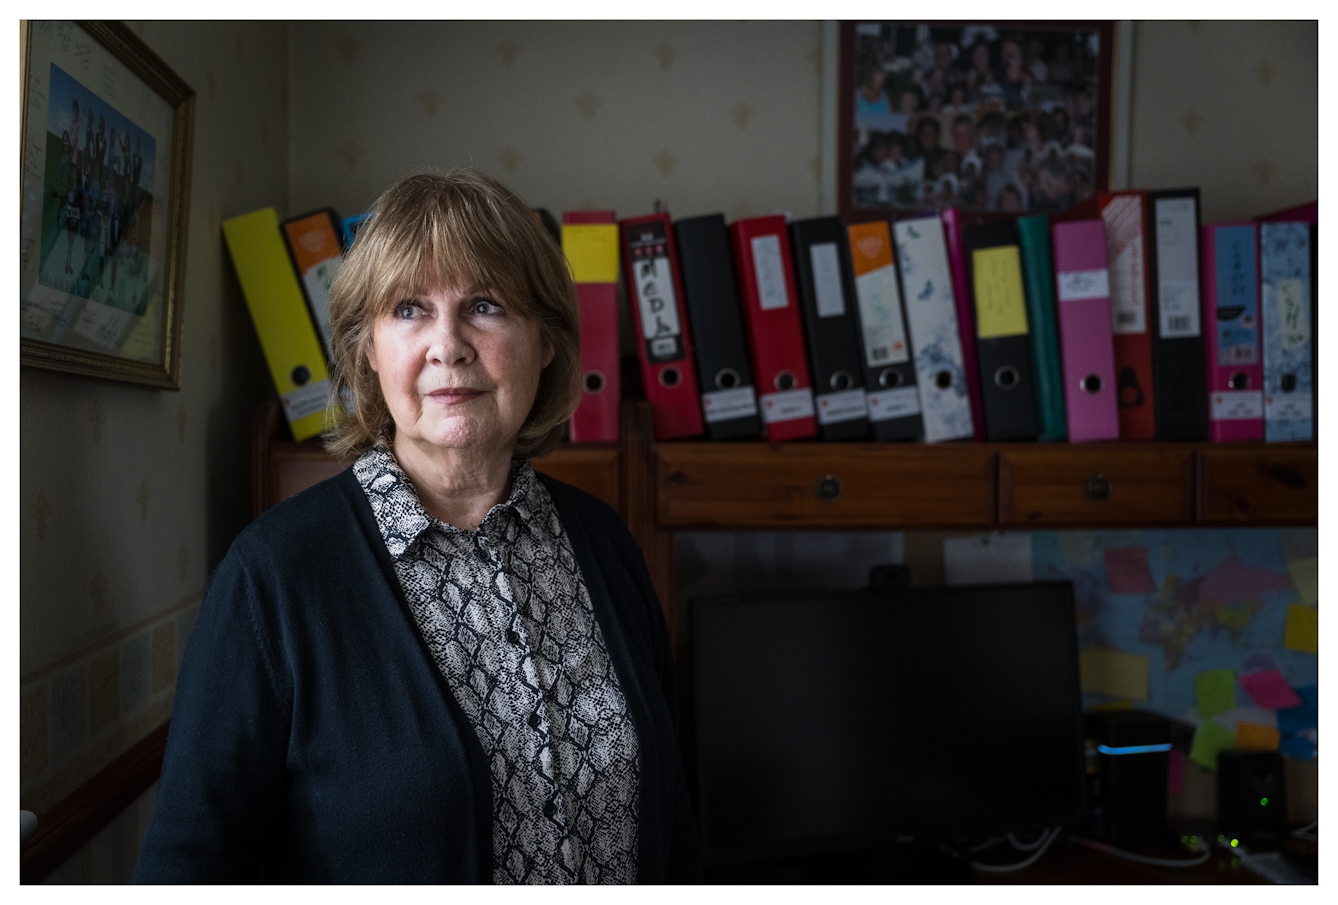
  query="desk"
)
[{"x": 1068, "y": 862}]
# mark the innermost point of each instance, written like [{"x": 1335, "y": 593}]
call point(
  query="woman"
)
[{"x": 437, "y": 666}]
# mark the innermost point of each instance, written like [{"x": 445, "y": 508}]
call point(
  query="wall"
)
[
  {"x": 130, "y": 496},
  {"x": 1232, "y": 107},
  {"x": 706, "y": 116}
]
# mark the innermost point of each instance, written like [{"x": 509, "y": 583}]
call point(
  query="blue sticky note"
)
[{"x": 1297, "y": 747}]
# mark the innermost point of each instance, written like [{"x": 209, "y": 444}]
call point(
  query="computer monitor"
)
[{"x": 851, "y": 720}]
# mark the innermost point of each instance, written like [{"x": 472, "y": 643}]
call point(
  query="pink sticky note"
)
[
  {"x": 1127, "y": 570},
  {"x": 1270, "y": 690},
  {"x": 1175, "y": 772}
]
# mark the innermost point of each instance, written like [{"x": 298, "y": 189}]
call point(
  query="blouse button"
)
[
  {"x": 534, "y": 720},
  {"x": 550, "y": 809},
  {"x": 512, "y": 636}
]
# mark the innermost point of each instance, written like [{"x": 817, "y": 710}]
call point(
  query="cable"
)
[
  {"x": 1026, "y": 846},
  {"x": 1143, "y": 859},
  {"x": 988, "y": 843},
  {"x": 1306, "y": 833},
  {"x": 1049, "y": 836}
]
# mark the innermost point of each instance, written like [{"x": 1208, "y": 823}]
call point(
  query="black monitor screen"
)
[{"x": 837, "y": 720}]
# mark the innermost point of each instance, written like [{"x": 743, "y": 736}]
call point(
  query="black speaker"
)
[
  {"x": 1127, "y": 753},
  {"x": 1252, "y": 798}
]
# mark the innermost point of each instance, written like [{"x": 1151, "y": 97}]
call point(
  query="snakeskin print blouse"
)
[{"x": 508, "y": 619}]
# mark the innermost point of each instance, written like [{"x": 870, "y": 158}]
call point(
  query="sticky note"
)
[
  {"x": 1175, "y": 771},
  {"x": 1001, "y": 309},
  {"x": 1127, "y": 570},
  {"x": 1215, "y": 690},
  {"x": 1113, "y": 672},
  {"x": 1303, "y": 717},
  {"x": 1297, "y": 746},
  {"x": 1305, "y": 575},
  {"x": 1253, "y": 737},
  {"x": 1270, "y": 690},
  {"x": 987, "y": 559},
  {"x": 1210, "y": 739},
  {"x": 592, "y": 251},
  {"x": 1302, "y": 632},
  {"x": 1111, "y": 706}
]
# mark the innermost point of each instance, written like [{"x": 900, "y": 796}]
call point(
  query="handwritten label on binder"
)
[
  {"x": 657, "y": 303},
  {"x": 1177, "y": 267},
  {"x": 1001, "y": 309},
  {"x": 827, "y": 279},
  {"x": 770, "y": 272}
]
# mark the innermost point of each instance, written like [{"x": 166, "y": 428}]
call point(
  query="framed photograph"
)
[
  {"x": 105, "y": 175},
  {"x": 1006, "y": 116}
]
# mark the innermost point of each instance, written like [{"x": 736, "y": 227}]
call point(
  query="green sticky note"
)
[
  {"x": 1210, "y": 739},
  {"x": 1216, "y": 691},
  {"x": 1305, "y": 575}
]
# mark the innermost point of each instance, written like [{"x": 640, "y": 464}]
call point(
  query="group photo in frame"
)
[
  {"x": 105, "y": 174},
  {"x": 1011, "y": 117}
]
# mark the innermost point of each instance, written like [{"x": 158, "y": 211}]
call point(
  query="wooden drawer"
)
[
  {"x": 1072, "y": 485},
  {"x": 293, "y": 467},
  {"x": 1259, "y": 484},
  {"x": 823, "y": 485}
]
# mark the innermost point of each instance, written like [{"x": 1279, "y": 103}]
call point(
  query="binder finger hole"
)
[
  {"x": 1288, "y": 382},
  {"x": 785, "y": 381},
  {"x": 1007, "y": 377},
  {"x": 301, "y": 374},
  {"x": 669, "y": 377},
  {"x": 1091, "y": 384},
  {"x": 842, "y": 380},
  {"x": 1239, "y": 381},
  {"x": 726, "y": 379},
  {"x": 890, "y": 378},
  {"x": 943, "y": 380},
  {"x": 594, "y": 382}
]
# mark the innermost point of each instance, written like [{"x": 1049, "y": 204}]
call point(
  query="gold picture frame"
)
[{"x": 93, "y": 211}]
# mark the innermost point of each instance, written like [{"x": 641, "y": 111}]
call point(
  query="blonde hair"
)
[{"x": 456, "y": 228}]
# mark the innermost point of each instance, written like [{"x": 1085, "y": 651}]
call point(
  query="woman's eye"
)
[
  {"x": 485, "y": 306},
  {"x": 406, "y": 309}
]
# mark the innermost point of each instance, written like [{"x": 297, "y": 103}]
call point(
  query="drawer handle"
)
[
  {"x": 1287, "y": 476},
  {"x": 827, "y": 489},
  {"x": 1098, "y": 487}
]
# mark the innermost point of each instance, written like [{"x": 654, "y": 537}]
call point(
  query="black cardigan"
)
[{"x": 314, "y": 739}]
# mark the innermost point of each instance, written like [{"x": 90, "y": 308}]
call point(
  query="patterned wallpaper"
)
[
  {"x": 1232, "y": 107},
  {"x": 130, "y": 495},
  {"x": 705, "y": 116}
]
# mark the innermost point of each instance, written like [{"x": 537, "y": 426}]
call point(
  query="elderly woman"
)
[{"x": 438, "y": 666}]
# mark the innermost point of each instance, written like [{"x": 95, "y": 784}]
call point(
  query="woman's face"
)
[{"x": 458, "y": 369}]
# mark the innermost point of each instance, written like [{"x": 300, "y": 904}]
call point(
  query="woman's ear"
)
[
  {"x": 371, "y": 354},
  {"x": 549, "y": 354}
]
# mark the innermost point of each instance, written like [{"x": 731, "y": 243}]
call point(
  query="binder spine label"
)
[
  {"x": 1001, "y": 309},
  {"x": 726, "y": 405},
  {"x": 898, "y": 403},
  {"x": 654, "y": 290},
  {"x": 1123, "y": 217},
  {"x": 1288, "y": 407},
  {"x": 1236, "y": 405},
  {"x": 827, "y": 279},
  {"x": 880, "y": 317},
  {"x": 1293, "y": 314},
  {"x": 1177, "y": 268},
  {"x": 307, "y": 400},
  {"x": 847, "y": 405},
  {"x": 1076, "y": 285},
  {"x": 770, "y": 272},
  {"x": 1236, "y": 306},
  {"x": 317, "y": 281},
  {"x": 787, "y": 405}
]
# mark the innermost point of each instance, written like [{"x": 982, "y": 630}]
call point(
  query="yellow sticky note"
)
[
  {"x": 1001, "y": 308},
  {"x": 1302, "y": 632},
  {"x": 1254, "y": 737},
  {"x": 1111, "y": 706},
  {"x": 592, "y": 251},
  {"x": 1305, "y": 575},
  {"x": 1113, "y": 672},
  {"x": 1210, "y": 739}
]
